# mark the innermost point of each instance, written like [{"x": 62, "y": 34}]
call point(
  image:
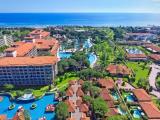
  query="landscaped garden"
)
[{"x": 140, "y": 72}]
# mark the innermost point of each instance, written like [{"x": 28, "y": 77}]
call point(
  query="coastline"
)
[{"x": 43, "y": 20}]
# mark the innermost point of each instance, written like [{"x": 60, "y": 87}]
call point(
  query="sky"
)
[{"x": 54, "y": 6}]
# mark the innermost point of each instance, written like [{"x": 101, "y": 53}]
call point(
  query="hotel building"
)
[
  {"x": 39, "y": 34},
  {"x": 6, "y": 40},
  {"x": 28, "y": 71}
]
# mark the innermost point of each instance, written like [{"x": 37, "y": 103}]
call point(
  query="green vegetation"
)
[
  {"x": 3, "y": 48},
  {"x": 27, "y": 115},
  {"x": 117, "y": 117},
  {"x": 61, "y": 111},
  {"x": 61, "y": 82},
  {"x": 100, "y": 108},
  {"x": 140, "y": 72},
  {"x": 158, "y": 81},
  {"x": 87, "y": 74}
]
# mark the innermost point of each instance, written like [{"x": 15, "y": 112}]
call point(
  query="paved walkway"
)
[
  {"x": 155, "y": 70},
  {"x": 77, "y": 114}
]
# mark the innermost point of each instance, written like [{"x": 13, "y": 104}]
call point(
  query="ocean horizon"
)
[{"x": 78, "y": 19}]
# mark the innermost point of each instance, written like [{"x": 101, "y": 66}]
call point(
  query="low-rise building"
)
[
  {"x": 136, "y": 57},
  {"x": 141, "y": 36},
  {"x": 28, "y": 70},
  {"x": 39, "y": 34},
  {"x": 155, "y": 58},
  {"x": 118, "y": 70},
  {"x": 152, "y": 48}
]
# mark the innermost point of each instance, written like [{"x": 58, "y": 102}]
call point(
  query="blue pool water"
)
[
  {"x": 87, "y": 44},
  {"x": 130, "y": 98},
  {"x": 115, "y": 95},
  {"x": 134, "y": 51},
  {"x": 35, "y": 114},
  {"x": 92, "y": 58},
  {"x": 64, "y": 55},
  {"x": 137, "y": 113}
]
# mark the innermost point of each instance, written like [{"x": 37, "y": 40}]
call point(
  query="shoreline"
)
[{"x": 73, "y": 25}]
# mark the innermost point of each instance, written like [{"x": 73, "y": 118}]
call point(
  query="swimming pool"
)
[
  {"x": 92, "y": 58},
  {"x": 130, "y": 98},
  {"x": 64, "y": 55},
  {"x": 115, "y": 95},
  {"x": 87, "y": 44},
  {"x": 137, "y": 113},
  {"x": 35, "y": 114},
  {"x": 134, "y": 51}
]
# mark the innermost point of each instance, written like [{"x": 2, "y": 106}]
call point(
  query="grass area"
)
[
  {"x": 140, "y": 69},
  {"x": 158, "y": 81},
  {"x": 62, "y": 81}
]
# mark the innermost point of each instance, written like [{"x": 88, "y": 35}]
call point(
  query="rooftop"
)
[
  {"x": 39, "y": 32},
  {"x": 118, "y": 69},
  {"x": 27, "y": 61},
  {"x": 3, "y": 117},
  {"x": 129, "y": 56},
  {"x": 141, "y": 95},
  {"x": 151, "y": 110},
  {"x": 107, "y": 83},
  {"x": 153, "y": 47},
  {"x": 71, "y": 105},
  {"x": 79, "y": 92},
  {"x": 83, "y": 108},
  {"x": 21, "y": 48},
  {"x": 155, "y": 57},
  {"x": 105, "y": 95}
]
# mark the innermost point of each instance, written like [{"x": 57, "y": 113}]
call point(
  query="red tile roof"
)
[
  {"x": 71, "y": 105},
  {"x": 28, "y": 61},
  {"x": 106, "y": 83},
  {"x": 69, "y": 92},
  {"x": 153, "y": 47},
  {"x": 46, "y": 44},
  {"x": 22, "y": 49},
  {"x": 80, "y": 82},
  {"x": 72, "y": 82},
  {"x": 141, "y": 95},
  {"x": 39, "y": 32},
  {"x": 155, "y": 57},
  {"x": 83, "y": 108},
  {"x": 151, "y": 110},
  {"x": 118, "y": 69},
  {"x": 110, "y": 104},
  {"x": 79, "y": 101},
  {"x": 105, "y": 95},
  {"x": 3, "y": 117},
  {"x": 84, "y": 117},
  {"x": 79, "y": 92},
  {"x": 138, "y": 56},
  {"x": 112, "y": 112}
]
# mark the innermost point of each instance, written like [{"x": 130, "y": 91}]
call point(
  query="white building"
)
[{"x": 6, "y": 40}]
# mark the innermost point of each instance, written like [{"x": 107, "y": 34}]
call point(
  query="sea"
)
[{"x": 78, "y": 19}]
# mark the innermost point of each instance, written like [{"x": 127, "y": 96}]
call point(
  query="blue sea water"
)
[{"x": 87, "y": 19}]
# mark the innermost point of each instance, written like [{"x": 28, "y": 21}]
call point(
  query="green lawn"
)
[
  {"x": 140, "y": 70},
  {"x": 62, "y": 81}
]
